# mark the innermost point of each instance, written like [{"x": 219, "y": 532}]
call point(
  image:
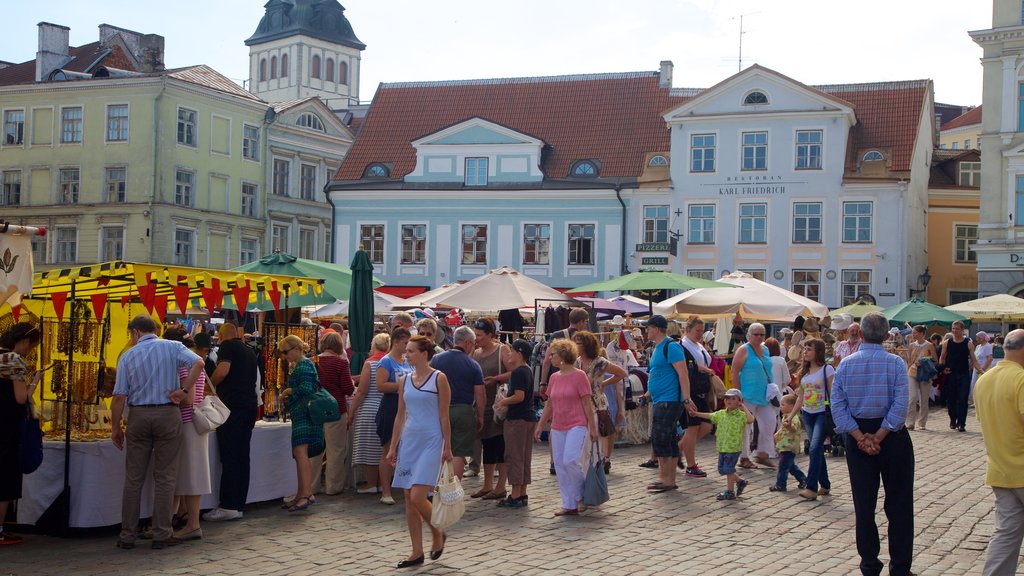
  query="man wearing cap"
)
[
  {"x": 869, "y": 405},
  {"x": 999, "y": 402},
  {"x": 848, "y": 346},
  {"x": 235, "y": 383},
  {"x": 668, "y": 388},
  {"x": 148, "y": 382}
]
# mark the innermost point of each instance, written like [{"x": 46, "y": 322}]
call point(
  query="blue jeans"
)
[
  {"x": 817, "y": 470},
  {"x": 787, "y": 466}
]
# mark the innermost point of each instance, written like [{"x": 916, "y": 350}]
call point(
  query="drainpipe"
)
[
  {"x": 622, "y": 255},
  {"x": 156, "y": 166},
  {"x": 334, "y": 215}
]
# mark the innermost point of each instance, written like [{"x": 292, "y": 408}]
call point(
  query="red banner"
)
[
  {"x": 275, "y": 295},
  {"x": 241, "y": 296},
  {"x": 59, "y": 299},
  {"x": 99, "y": 302},
  {"x": 160, "y": 306},
  {"x": 181, "y": 298}
]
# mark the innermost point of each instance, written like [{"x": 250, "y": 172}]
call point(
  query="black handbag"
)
[
  {"x": 830, "y": 424},
  {"x": 30, "y": 449}
]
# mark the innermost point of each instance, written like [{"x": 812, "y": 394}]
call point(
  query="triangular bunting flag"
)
[
  {"x": 275, "y": 295},
  {"x": 99, "y": 302},
  {"x": 124, "y": 301},
  {"x": 181, "y": 297},
  {"x": 16, "y": 312},
  {"x": 241, "y": 296},
  {"x": 147, "y": 292},
  {"x": 59, "y": 299},
  {"x": 160, "y": 306},
  {"x": 103, "y": 281}
]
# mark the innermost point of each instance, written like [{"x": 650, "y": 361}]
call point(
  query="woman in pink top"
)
[{"x": 570, "y": 410}]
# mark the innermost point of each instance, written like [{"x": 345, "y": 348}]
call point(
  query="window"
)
[
  {"x": 537, "y": 244},
  {"x": 251, "y": 142},
  {"x": 263, "y": 69},
  {"x": 855, "y": 284},
  {"x": 314, "y": 68},
  {"x": 111, "y": 244},
  {"x": 1020, "y": 102},
  {"x": 584, "y": 169},
  {"x": 655, "y": 223},
  {"x": 657, "y": 160},
  {"x": 474, "y": 244},
  {"x": 755, "y": 150},
  {"x": 329, "y": 70},
  {"x": 284, "y": 65},
  {"x": 1019, "y": 215},
  {"x": 958, "y": 297},
  {"x": 702, "y": 153},
  {"x": 807, "y": 223},
  {"x": 700, "y": 224},
  {"x": 186, "y": 127},
  {"x": 14, "y": 127},
  {"x": 281, "y": 177},
  {"x": 343, "y": 73},
  {"x": 970, "y": 174},
  {"x": 183, "y": 182},
  {"x": 857, "y": 221},
  {"x": 311, "y": 121},
  {"x": 703, "y": 274},
  {"x": 273, "y": 67},
  {"x": 71, "y": 125},
  {"x": 966, "y": 237},
  {"x": 414, "y": 243},
  {"x": 806, "y": 284},
  {"x": 11, "y": 195},
  {"x": 376, "y": 171},
  {"x": 942, "y": 146},
  {"x": 967, "y": 144},
  {"x": 755, "y": 97},
  {"x": 876, "y": 156},
  {"x": 307, "y": 181},
  {"x": 956, "y": 145},
  {"x": 184, "y": 246},
  {"x": 66, "y": 249},
  {"x": 115, "y": 182},
  {"x": 327, "y": 246},
  {"x": 808, "y": 149},
  {"x": 39, "y": 249},
  {"x": 279, "y": 234},
  {"x": 307, "y": 243},
  {"x": 761, "y": 275},
  {"x": 117, "y": 123},
  {"x": 249, "y": 199},
  {"x": 69, "y": 183},
  {"x": 581, "y": 244},
  {"x": 753, "y": 223},
  {"x": 476, "y": 171},
  {"x": 371, "y": 236},
  {"x": 247, "y": 250}
]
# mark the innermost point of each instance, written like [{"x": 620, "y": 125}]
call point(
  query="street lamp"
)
[{"x": 924, "y": 280}]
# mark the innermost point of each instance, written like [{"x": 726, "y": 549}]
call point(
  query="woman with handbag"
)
[
  {"x": 751, "y": 373},
  {"x": 420, "y": 442},
  {"x": 570, "y": 409},
  {"x": 488, "y": 354},
  {"x": 520, "y": 421},
  {"x": 307, "y": 437},
  {"x": 335, "y": 376},
  {"x": 814, "y": 387},
  {"x": 606, "y": 389},
  {"x": 17, "y": 382},
  {"x": 194, "y": 478},
  {"x": 921, "y": 371}
]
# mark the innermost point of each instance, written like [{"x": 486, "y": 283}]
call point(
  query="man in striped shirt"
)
[
  {"x": 869, "y": 405},
  {"x": 147, "y": 380}
]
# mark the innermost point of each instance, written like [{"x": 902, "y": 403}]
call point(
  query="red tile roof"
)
[
  {"x": 85, "y": 58},
  {"x": 972, "y": 116},
  {"x": 612, "y": 118}
]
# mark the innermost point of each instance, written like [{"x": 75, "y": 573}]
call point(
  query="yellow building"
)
[
  {"x": 962, "y": 132},
  {"x": 953, "y": 200}
]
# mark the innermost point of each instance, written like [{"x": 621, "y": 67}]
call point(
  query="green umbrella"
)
[
  {"x": 650, "y": 280},
  {"x": 858, "y": 309},
  {"x": 360, "y": 309},
  {"x": 917, "y": 311},
  {"x": 337, "y": 280}
]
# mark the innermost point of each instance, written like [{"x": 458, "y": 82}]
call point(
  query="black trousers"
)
[
  {"x": 894, "y": 466},
  {"x": 233, "y": 440},
  {"x": 957, "y": 391}
]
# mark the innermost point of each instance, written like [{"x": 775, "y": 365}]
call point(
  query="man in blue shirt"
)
[
  {"x": 668, "y": 388},
  {"x": 467, "y": 388},
  {"x": 869, "y": 405}
]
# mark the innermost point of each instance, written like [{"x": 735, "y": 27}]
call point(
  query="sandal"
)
[
  {"x": 764, "y": 461},
  {"x": 662, "y": 488},
  {"x": 295, "y": 507},
  {"x": 494, "y": 495},
  {"x": 746, "y": 463},
  {"x": 480, "y": 493},
  {"x": 567, "y": 512}
]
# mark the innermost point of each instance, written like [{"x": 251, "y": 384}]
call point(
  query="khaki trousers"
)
[
  {"x": 334, "y": 463},
  {"x": 152, "y": 432},
  {"x": 919, "y": 392}
]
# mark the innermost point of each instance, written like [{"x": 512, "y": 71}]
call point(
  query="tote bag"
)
[
  {"x": 323, "y": 408},
  {"x": 30, "y": 450},
  {"x": 595, "y": 488},
  {"x": 449, "y": 499},
  {"x": 210, "y": 413}
]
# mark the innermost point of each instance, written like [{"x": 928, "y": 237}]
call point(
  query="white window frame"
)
[
  {"x": 312, "y": 255},
  {"x": 60, "y": 185},
  {"x": 24, "y": 132},
  {"x": 654, "y": 231},
  {"x": 803, "y": 292},
  {"x": 693, "y": 149},
  {"x": 43, "y": 258},
  {"x": 402, "y": 239},
  {"x": 871, "y": 227},
  {"x": 81, "y": 125},
  {"x": 843, "y": 301},
  {"x": 102, "y": 252},
  {"x": 255, "y": 199},
  {"x": 287, "y": 176},
  {"x": 714, "y": 222},
  {"x": 195, "y": 127},
  {"x": 285, "y": 246},
  {"x": 5, "y": 194},
  {"x": 797, "y": 145},
  {"x": 303, "y": 181},
  {"x": 807, "y": 229},
  {"x": 254, "y": 155},
  {"x": 704, "y": 273},
  {"x": 593, "y": 245},
  {"x": 107, "y": 181},
  {"x": 57, "y": 244},
  {"x": 231, "y": 134},
  {"x": 739, "y": 223},
  {"x": 127, "y": 123},
  {"x": 522, "y": 241},
  {"x": 174, "y": 246},
  {"x": 191, "y": 191},
  {"x": 242, "y": 250},
  {"x": 767, "y": 149},
  {"x": 487, "y": 244},
  {"x": 967, "y": 247},
  {"x": 487, "y": 172},
  {"x": 972, "y": 174},
  {"x": 383, "y": 240}
]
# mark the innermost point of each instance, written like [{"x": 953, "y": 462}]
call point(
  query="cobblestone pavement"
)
[{"x": 684, "y": 532}]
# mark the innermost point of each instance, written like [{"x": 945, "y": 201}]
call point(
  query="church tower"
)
[{"x": 305, "y": 48}]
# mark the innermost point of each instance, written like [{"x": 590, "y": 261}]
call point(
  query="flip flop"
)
[
  {"x": 663, "y": 488},
  {"x": 655, "y": 485},
  {"x": 747, "y": 464},
  {"x": 566, "y": 512}
]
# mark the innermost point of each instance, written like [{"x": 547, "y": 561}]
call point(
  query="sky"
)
[{"x": 812, "y": 41}]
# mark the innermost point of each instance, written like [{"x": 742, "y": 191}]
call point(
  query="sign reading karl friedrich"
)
[{"x": 751, "y": 185}]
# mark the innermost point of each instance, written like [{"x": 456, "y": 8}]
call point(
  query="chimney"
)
[
  {"x": 665, "y": 77},
  {"x": 147, "y": 50},
  {"x": 151, "y": 53},
  {"x": 53, "y": 49}
]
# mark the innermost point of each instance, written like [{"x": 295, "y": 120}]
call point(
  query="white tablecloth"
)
[{"x": 97, "y": 477}]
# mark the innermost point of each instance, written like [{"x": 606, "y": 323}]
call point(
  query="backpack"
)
[{"x": 700, "y": 383}]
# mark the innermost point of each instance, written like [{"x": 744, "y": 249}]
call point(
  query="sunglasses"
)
[
  {"x": 481, "y": 325},
  {"x": 286, "y": 350}
]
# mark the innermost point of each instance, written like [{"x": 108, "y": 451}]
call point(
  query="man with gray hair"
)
[
  {"x": 869, "y": 405},
  {"x": 403, "y": 319},
  {"x": 466, "y": 380},
  {"x": 999, "y": 403}
]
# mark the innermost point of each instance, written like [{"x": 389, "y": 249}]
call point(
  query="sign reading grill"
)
[{"x": 654, "y": 261}]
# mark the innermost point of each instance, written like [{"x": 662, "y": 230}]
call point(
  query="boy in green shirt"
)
[
  {"x": 787, "y": 443},
  {"x": 728, "y": 439}
]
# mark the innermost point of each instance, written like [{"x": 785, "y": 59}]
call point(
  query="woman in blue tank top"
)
[{"x": 751, "y": 373}]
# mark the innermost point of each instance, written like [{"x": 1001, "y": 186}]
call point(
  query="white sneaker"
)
[
  {"x": 387, "y": 500},
  {"x": 218, "y": 514},
  {"x": 370, "y": 490}
]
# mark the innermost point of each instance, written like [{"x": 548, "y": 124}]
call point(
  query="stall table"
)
[{"x": 97, "y": 477}]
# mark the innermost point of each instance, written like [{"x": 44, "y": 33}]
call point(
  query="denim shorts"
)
[
  {"x": 663, "y": 429},
  {"x": 727, "y": 462}
]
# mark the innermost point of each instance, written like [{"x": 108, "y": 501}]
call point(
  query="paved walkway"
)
[{"x": 684, "y": 532}]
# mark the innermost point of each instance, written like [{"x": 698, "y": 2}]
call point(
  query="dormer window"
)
[
  {"x": 376, "y": 170},
  {"x": 755, "y": 97},
  {"x": 584, "y": 169},
  {"x": 874, "y": 156},
  {"x": 311, "y": 121},
  {"x": 657, "y": 160}
]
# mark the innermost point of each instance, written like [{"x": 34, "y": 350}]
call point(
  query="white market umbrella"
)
[
  {"x": 995, "y": 308},
  {"x": 425, "y": 300},
  {"x": 381, "y": 303},
  {"x": 499, "y": 289},
  {"x": 756, "y": 300}
]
